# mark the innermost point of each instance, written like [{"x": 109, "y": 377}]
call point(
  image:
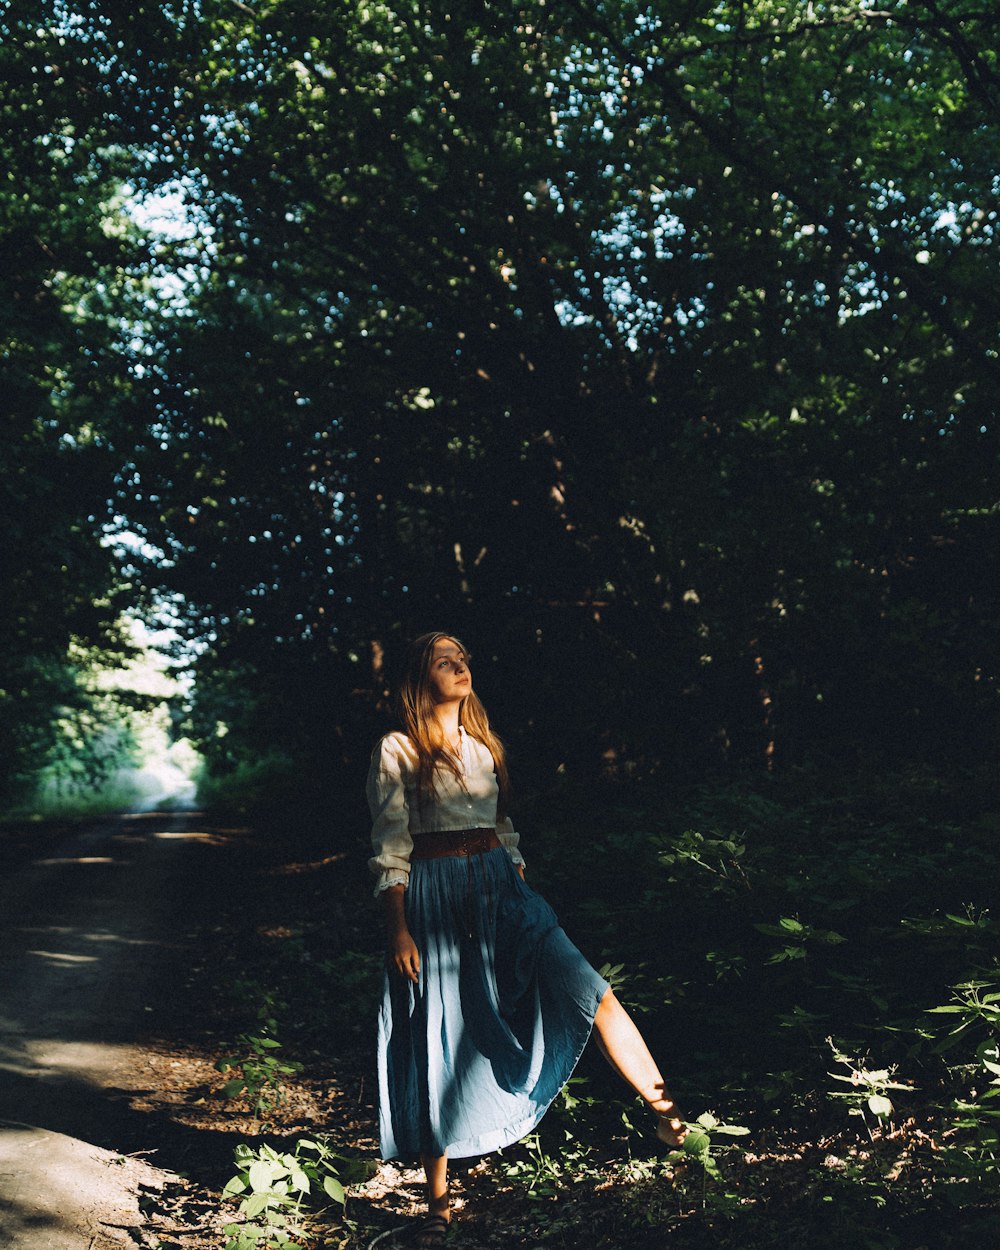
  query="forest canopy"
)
[{"x": 651, "y": 348}]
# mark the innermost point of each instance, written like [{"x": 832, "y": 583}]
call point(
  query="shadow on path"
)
[{"x": 95, "y": 936}]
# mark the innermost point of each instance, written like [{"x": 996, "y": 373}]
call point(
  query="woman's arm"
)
[
  {"x": 392, "y": 844},
  {"x": 391, "y": 839},
  {"x": 403, "y": 954}
]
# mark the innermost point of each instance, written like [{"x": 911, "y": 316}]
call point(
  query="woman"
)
[{"x": 487, "y": 1005}]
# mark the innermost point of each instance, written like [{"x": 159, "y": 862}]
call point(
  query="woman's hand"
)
[
  {"x": 403, "y": 954},
  {"x": 404, "y": 957}
]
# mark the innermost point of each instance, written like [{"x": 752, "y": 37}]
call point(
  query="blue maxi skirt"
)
[{"x": 470, "y": 1058}]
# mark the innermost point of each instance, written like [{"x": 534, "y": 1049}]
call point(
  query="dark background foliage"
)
[{"x": 651, "y": 348}]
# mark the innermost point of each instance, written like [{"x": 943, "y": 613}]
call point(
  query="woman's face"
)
[{"x": 448, "y": 677}]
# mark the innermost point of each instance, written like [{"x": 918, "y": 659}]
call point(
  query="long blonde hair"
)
[{"x": 415, "y": 707}]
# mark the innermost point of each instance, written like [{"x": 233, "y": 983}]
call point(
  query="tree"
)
[
  {"x": 63, "y": 261},
  {"x": 642, "y": 343}
]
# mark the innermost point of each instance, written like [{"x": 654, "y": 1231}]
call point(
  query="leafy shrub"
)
[{"x": 278, "y": 1191}]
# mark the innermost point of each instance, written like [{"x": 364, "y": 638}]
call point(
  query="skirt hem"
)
[
  {"x": 509, "y": 1134},
  {"x": 501, "y": 1019}
]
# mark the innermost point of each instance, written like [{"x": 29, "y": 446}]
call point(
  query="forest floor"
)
[
  {"x": 138, "y": 952},
  {"x": 135, "y": 951}
]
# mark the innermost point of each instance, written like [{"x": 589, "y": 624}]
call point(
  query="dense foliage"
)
[
  {"x": 651, "y": 343},
  {"x": 648, "y": 345},
  {"x": 66, "y": 256}
]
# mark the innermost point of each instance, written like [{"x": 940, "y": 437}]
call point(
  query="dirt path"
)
[
  {"x": 132, "y": 954},
  {"x": 91, "y": 937},
  {"x": 96, "y": 929}
]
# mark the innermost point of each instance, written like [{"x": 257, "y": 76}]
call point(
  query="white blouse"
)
[{"x": 468, "y": 802}]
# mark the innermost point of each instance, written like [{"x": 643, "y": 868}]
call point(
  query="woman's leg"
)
[
  {"x": 625, "y": 1049},
  {"x": 436, "y": 1171}
]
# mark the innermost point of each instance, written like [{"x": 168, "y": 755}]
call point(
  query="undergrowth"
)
[
  {"x": 816, "y": 965},
  {"x": 814, "y": 959}
]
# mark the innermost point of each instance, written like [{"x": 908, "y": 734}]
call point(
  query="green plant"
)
[
  {"x": 572, "y": 1104},
  {"x": 977, "y": 1013},
  {"x": 973, "y": 928},
  {"x": 701, "y": 1148},
  {"x": 795, "y": 935},
  {"x": 543, "y": 1173},
  {"x": 634, "y": 986},
  {"x": 720, "y": 857},
  {"x": 356, "y": 976},
  {"x": 261, "y": 1074},
  {"x": 971, "y": 1153},
  {"x": 870, "y": 1088},
  {"x": 726, "y": 963},
  {"x": 277, "y": 1191}
]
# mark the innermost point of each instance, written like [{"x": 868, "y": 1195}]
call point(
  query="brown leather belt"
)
[{"x": 454, "y": 842}]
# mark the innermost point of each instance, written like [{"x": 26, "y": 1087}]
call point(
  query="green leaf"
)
[
  {"x": 335, "y": 1190},
  {"x": 242, "y": 1239},
  {"x": 281, "y": 1242},
  {"x": 232, "y": 1089},
  {"x": 949, "y": 1042},
  {"x": 696, "y": 1143},
  {"x": 263, "y": 1175},
  {"x": 879, "y": 1105},
  {"x": 255, "y": 1204},
  {"x": 789, "y": 952},
  {"x": 235, "y": 1185},
  {"x": 707, "y": 1120},
  {"x": 354, "y": 1171}
]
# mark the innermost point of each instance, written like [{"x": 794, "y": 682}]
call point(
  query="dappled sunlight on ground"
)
[
  {"x": 77, "y": 859},
  {"x": 288, "y": 870},
  {"x": 192, "y": 835},
  {"x": 54, "y": 1058}
]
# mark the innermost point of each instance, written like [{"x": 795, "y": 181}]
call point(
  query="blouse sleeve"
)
[
  {"x": 391, "y": 838},
  {"x": 509, "y": 839}
]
